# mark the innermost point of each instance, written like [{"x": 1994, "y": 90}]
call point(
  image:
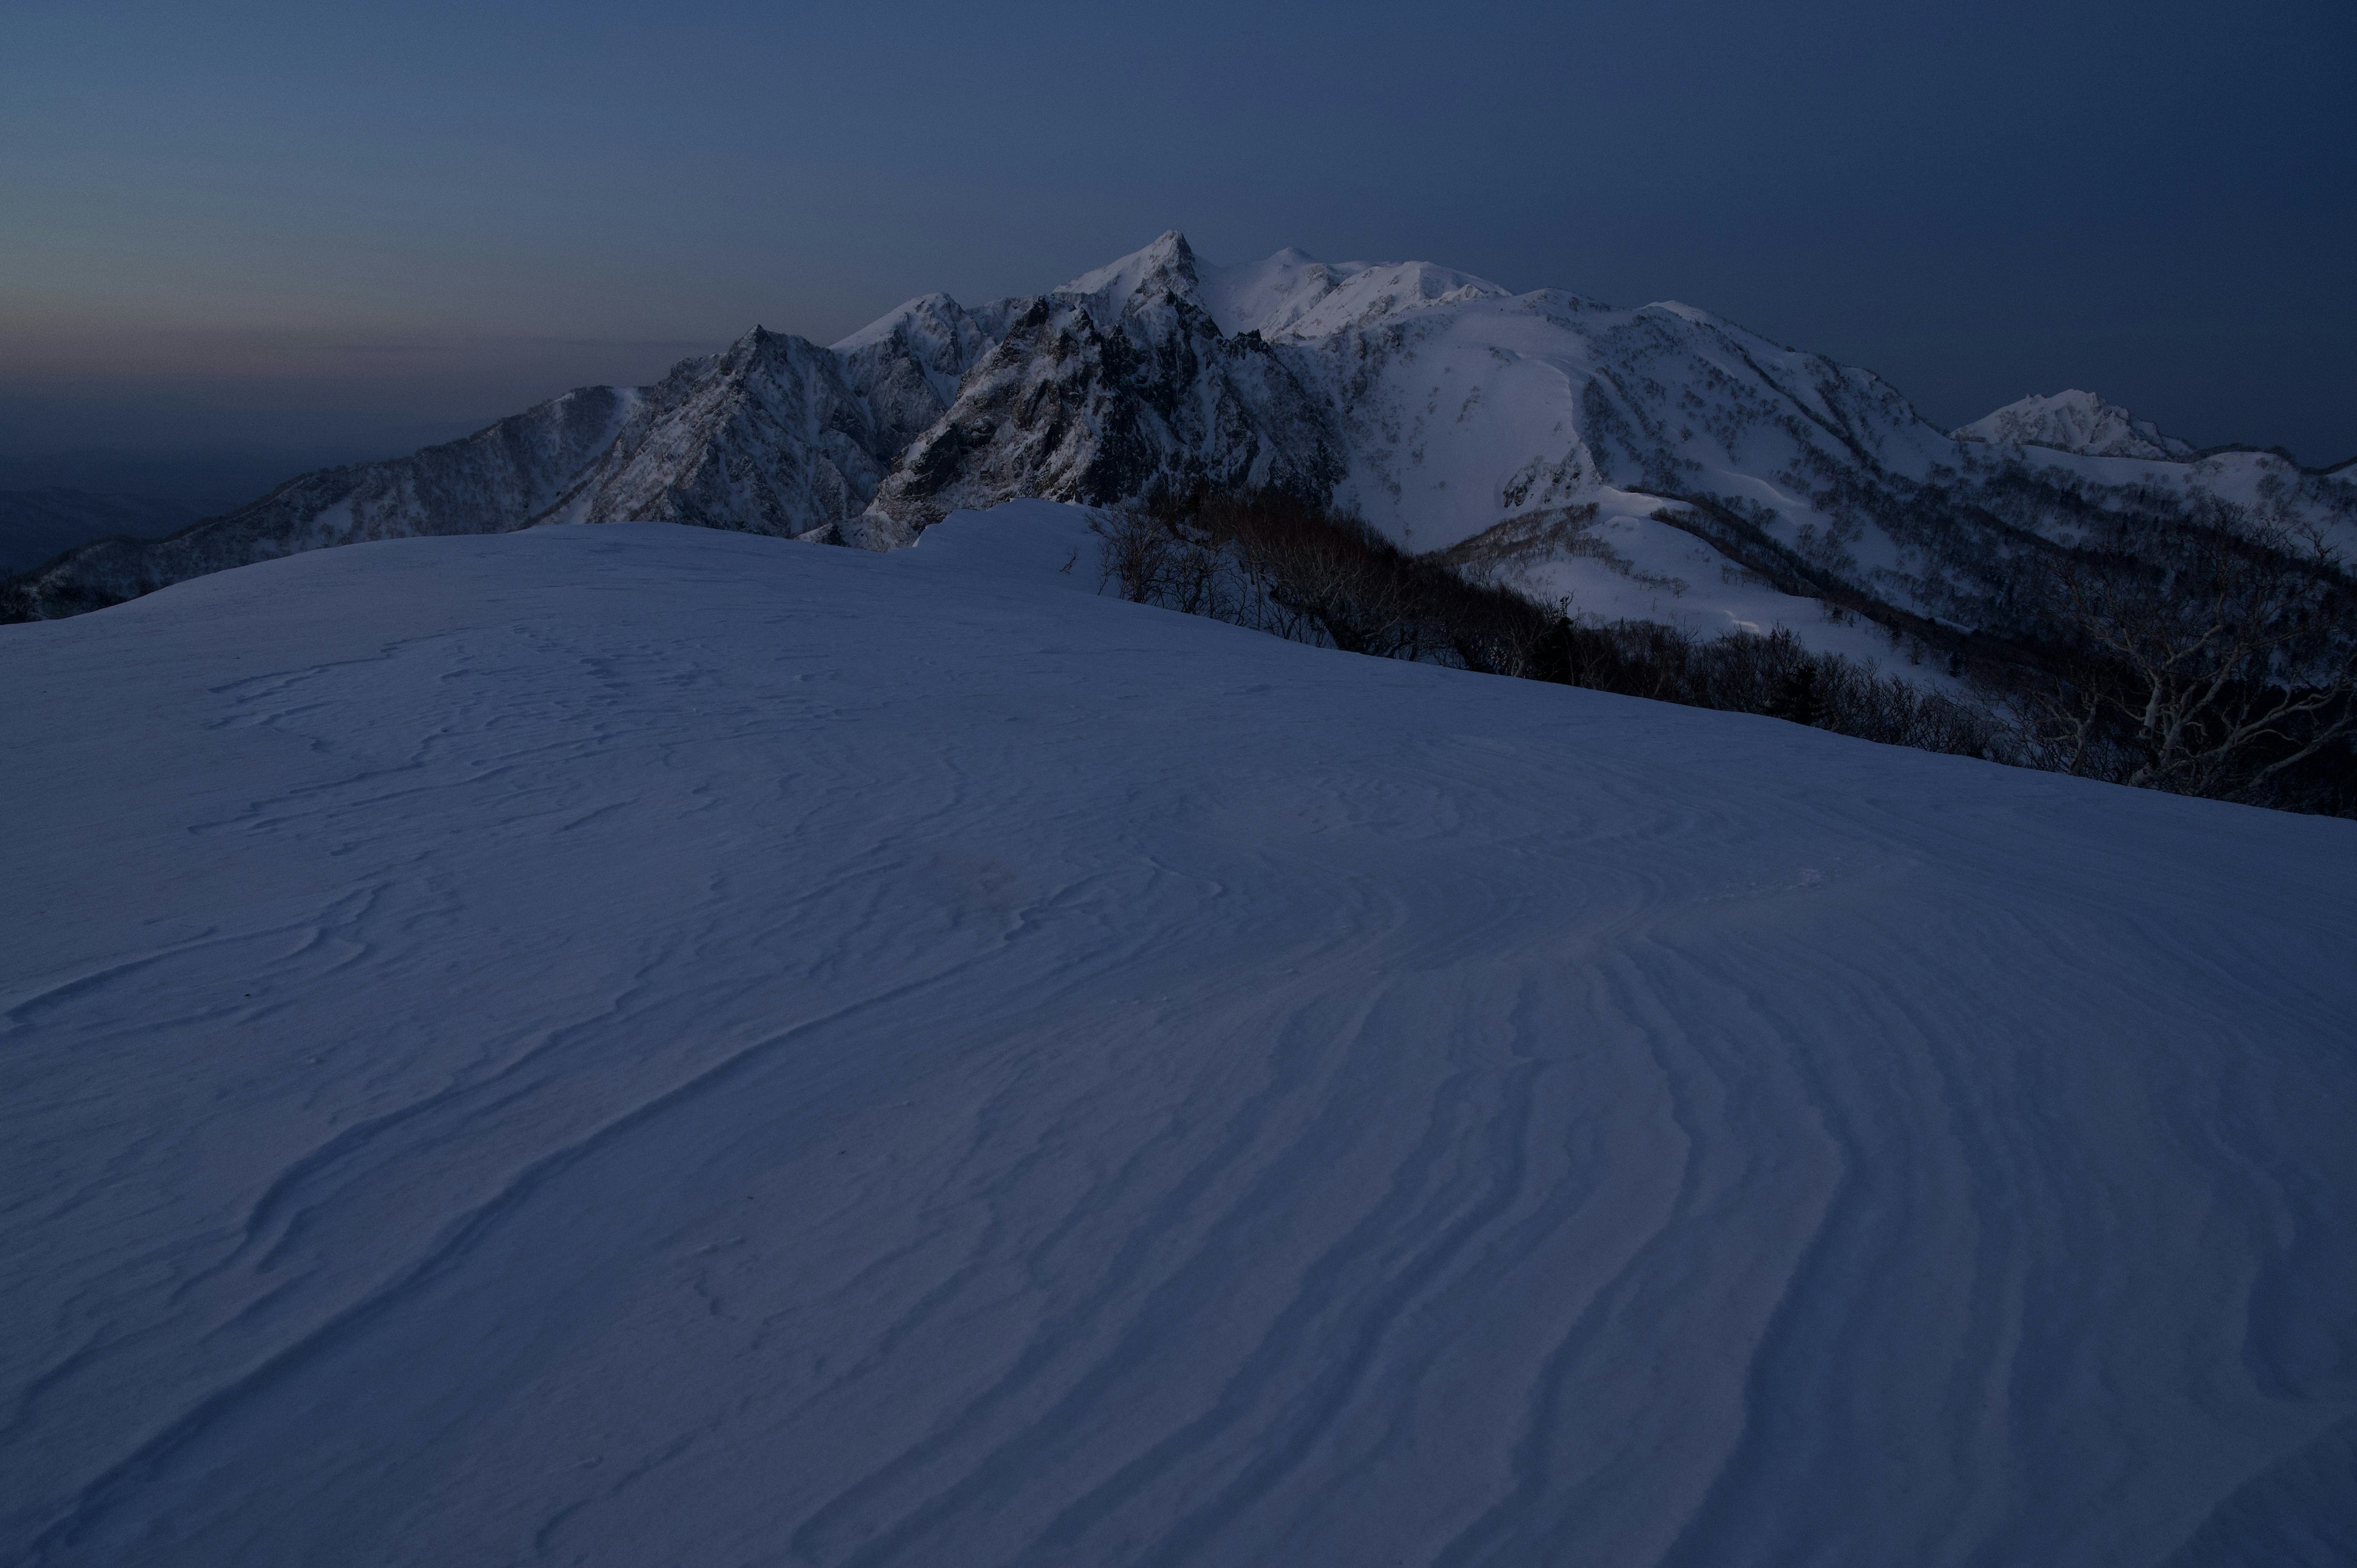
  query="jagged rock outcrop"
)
[
  {"x": 769, "y": 437},
  {"x": 908, "y": 366},
  {"x": 1118, "y": 385}
]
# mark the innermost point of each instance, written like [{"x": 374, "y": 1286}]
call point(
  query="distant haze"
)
[{"x": 294, "y": 235}]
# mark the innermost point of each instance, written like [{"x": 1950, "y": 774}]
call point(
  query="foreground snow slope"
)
[{"x": 639, "y": 1045}]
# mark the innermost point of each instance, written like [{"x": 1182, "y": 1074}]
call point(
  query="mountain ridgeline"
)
[{"x": 1547, "y": 434}]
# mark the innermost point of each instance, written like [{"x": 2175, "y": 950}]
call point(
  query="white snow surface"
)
[
  {"x": 1464, "y": 406},
  {"x": 2077, "y": 421},
  {"x": 643, "y": 1044},
  {"x": 1629, "y": 565},
  {"x": 1292, "y": 294}
]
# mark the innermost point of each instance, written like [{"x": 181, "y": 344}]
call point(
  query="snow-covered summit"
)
[
  {"x": 1293, "y": 294},
  {"x": 1290, "y": 294},
  {"x": 1166, "y": 267},
  {"x": 2076, "y": 422},
  {"x": 930, "y": 320}
]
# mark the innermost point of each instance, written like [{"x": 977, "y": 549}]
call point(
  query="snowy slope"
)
[
  {"x": 1434, "y": 403},
  {"x": 1614, "y": 559},
  {"x": 2264, "y": 487},
  {"x": 648, "y": 1045},
  {"x": 767, "y": 438},
  {"x": 2075, "y": 422},
  {"x": 1468, "y": 404}
]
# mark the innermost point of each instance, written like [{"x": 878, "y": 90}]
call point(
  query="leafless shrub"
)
[
  {"x": 2217, "y": 660},
  {"x": 2214, "y": 656},
  {"x": 1772, "y": 674}
]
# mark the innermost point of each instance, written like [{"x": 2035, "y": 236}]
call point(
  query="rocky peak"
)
[{"x": 1164, "y": 272}]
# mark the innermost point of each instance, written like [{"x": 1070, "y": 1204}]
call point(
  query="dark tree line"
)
[
  {"x": 2215, "y": 659},
  {"x": 1280, "y": 566}
]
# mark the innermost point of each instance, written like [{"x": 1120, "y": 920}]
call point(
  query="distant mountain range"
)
[
  {"x": 1649, "y": 462},
  {"x": 36, "y": 525}
]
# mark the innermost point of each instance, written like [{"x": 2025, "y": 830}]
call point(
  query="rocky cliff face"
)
[
  {"x": 769, "y": 437},
  {"x": 1438, "y": 406},
  {"x": 1109, "y": 389}
]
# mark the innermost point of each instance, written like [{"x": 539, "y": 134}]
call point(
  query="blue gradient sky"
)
[{"x": 342, "y": 232}]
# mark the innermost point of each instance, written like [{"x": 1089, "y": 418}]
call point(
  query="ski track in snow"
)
[{"x": 638, "y": 1045}]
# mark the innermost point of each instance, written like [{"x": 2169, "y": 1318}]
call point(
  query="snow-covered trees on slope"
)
[
  {"x": 2210, "y": 661},
  {"x": 1277, "y": 566}
]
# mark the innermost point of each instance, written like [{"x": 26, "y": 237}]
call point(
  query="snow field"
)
[{"x": 639, "y": 1045}]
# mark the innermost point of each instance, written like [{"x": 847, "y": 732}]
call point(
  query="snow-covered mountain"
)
[
  {"x": 502, "y": 477},
  {"x": 1656, "y": 462},
  {"x": 2076, "y": 422},
  {"x": 596, "y": 1044},
  {"x": 1116, "y": 385}
]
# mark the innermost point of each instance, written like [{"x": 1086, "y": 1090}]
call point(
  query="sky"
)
[{"x": 299, "y": 233}]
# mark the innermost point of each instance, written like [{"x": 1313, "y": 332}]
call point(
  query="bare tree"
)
[
  {"x": 1136, "y": 553},
  {"x": 2214, "y": 660},
  {"x": 2209, "y": 657}
]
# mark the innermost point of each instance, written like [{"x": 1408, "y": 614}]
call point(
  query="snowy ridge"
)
[
  {"x": 2080, "y": 444},
  {"x": 498, "y": 479},
  {"x": 769, "y": 437},
  {"x": 2076, "y": 422},
  {"x": 1117, "y": 385},
  {"x": 596, "y": 1043},
  {"x": 1439, "y": 406},
  {"x": 1294, "y": 294},
  {"x": 1165, "y": 270}
]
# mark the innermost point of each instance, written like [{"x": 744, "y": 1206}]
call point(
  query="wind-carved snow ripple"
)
[{"x": 689, "y": 1068}]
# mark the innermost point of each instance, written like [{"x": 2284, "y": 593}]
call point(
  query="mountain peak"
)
[
  {"x": 927, "y": 312},
  {"x": 2075, "y": 421},
  {"x": 1167, "y": 266}
]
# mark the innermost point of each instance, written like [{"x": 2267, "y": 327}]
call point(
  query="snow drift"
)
[{"x": 641, "y": 1045}]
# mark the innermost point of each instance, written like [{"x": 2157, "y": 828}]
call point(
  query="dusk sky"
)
[{"x": 342, "y": 232}]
